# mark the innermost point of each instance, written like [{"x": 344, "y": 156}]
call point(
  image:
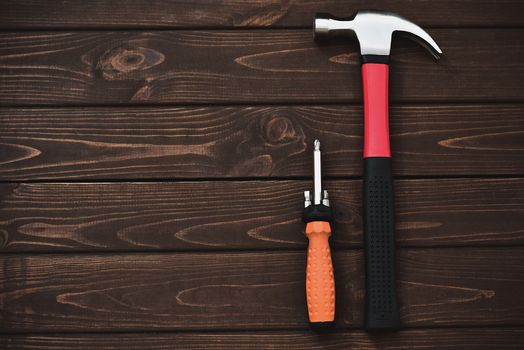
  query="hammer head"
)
[{"x": 374, "y": 30}]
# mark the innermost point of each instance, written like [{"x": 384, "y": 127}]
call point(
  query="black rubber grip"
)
[
  {"x": 384, "y": 59},
  {"x": 382, "y": 311},
  {"x": 322, "y": 327}
]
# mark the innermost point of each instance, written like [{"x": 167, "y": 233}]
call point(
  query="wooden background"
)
[{"x": 153, "y": 157}]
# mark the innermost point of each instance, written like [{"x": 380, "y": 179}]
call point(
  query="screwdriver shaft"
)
[{"x": 317, "y": 196}]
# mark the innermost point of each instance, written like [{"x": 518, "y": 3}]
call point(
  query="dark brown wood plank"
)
[
  {"x": 184, "y": 291},
  {"x": 427, "y": 339},
  {"x": 264, "y": 13},
  {"x": 248, "y": 67},
  {"x": 248, "y": 215},
  {"x": 191, "y": 142}
]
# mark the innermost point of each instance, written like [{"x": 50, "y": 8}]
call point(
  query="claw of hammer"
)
[{"x": 374, "y": 30}]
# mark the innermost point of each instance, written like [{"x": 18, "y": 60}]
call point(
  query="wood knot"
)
[
  {"x": 266, "y": 142},
  {"x": 280, "y": 130},
  {"x": 120, "y": 63}
]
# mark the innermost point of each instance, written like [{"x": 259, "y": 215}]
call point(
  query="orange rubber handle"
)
[{"x": 320, "y": 282}]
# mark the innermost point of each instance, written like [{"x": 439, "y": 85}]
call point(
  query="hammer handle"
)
[{"x": 382, "y": 311}]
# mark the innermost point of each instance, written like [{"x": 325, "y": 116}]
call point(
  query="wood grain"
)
[
  {"x": 248, "y": 215},
  {"x": 243, "y": 66},
  {"x": 262, "y": 290},
  {"x": 231, "y": 94},
  {"x": 207, "y": 142},
  {"x": 426, "y": 339},
  {"x": 263, "y": 13}
]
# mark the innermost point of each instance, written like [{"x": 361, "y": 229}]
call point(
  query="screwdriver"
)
[{"x": 320, "y": 282}]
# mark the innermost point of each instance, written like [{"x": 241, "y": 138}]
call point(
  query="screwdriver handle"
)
[{"x": 320, "y": 282}]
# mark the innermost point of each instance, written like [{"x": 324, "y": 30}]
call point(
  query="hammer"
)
[{"x": 374, "y": 30}]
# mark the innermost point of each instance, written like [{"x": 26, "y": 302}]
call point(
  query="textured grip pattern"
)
[
  {"x": 381, "y": 299},
  {"x": 320, "y": 282}
]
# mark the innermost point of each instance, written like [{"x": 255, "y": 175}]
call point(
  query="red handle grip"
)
[{"x": 376, "y": 120}]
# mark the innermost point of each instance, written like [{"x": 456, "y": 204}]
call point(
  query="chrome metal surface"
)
[
  {"x": 317, "y": 175},
  {"x": 325, "y": 200},
  {"x": 307, "y": 199},
  {"x": 374, "y": 30}
]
